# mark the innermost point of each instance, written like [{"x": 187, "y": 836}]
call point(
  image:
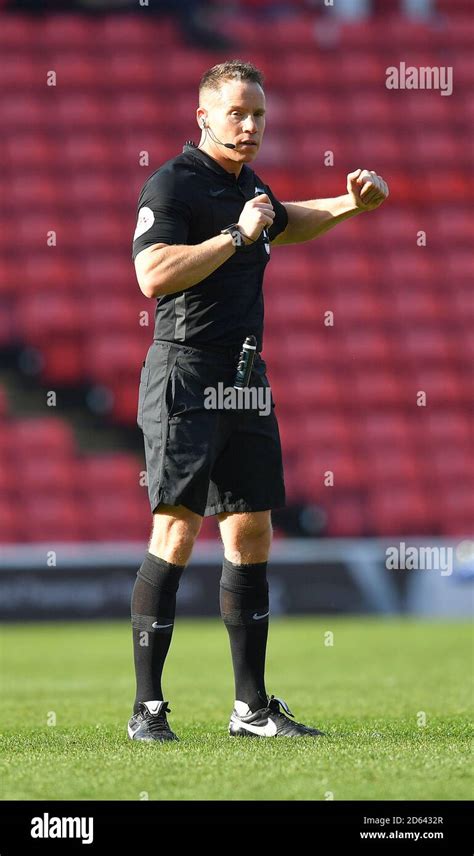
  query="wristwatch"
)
[{"x": 237, "y": 237}]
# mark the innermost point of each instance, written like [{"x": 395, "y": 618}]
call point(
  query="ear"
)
[{"x": 201, "y": 120}]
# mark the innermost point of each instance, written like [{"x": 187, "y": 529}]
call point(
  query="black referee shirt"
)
[{"x": 187, "y": 201}]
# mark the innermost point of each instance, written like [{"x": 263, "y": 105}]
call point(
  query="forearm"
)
[
  {"x": 178, "y": 267},
  {"x": 308, "y": 220}
]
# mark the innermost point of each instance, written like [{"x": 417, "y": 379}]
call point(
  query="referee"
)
[{"x": 202, "y": 242}]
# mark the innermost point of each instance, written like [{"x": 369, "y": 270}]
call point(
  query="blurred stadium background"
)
[{"x": 74, "y": 514}]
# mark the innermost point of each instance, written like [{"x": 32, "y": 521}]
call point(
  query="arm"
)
[
  {"x": 308, "y": 220},
  {"x": 165, "y": 269}
]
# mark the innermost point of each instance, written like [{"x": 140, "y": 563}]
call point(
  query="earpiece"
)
[{"x": 203, "y": 124}]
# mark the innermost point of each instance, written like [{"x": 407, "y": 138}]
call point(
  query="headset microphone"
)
[{"x": 214, "y": 138}]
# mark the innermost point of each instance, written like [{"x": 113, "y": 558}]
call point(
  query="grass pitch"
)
[{"x": 394, "y": 697}]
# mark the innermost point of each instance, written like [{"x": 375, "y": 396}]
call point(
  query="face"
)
[{"x": 235, "y": 114}]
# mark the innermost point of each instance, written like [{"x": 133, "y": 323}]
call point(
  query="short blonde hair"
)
[{"x": 234, "y": 69}]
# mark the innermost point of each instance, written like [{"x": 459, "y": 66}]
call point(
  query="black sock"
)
[
  {"x": 243, "y": 598},
  {"x": 153, "y": 603}
]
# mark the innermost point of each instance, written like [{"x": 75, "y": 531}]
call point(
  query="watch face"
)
[{"x": 237, "y": 238}]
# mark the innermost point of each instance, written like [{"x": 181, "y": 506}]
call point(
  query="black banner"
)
[{"x": 364, "y": 826}]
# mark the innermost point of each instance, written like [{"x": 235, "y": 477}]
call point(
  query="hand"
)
[
  {"x": 257, "y": 214},
  {"x": 366, "y": 189}
]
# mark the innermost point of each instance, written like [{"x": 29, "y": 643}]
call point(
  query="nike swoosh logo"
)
[
  {"x": 256, "y": 617},
  {"x": 217, "y": 192},
  {"x": 159, "y": 626},
  {"x": 267, "y": 730}
]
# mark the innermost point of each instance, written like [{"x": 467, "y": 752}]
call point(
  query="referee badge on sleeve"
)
[{"x": 145, "y": 221}]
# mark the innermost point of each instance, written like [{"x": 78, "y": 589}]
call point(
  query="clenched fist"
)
[
  {"x": 367, "y": 189},
  {"x": 257, "y": 214}
]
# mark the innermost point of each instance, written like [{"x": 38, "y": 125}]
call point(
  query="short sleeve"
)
[
  {"x": 163, "y": 214},
  {"x": 281, "y": 215}
]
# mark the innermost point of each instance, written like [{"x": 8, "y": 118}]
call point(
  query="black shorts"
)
[{"x": 209, "y": 459}]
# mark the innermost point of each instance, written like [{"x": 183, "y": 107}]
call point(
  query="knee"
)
[
  {"x": 175, "y": 530},
  {"x": 249, "y": 542}
]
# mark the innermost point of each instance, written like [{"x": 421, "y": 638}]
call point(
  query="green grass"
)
[{"x": 366, "y": 692}]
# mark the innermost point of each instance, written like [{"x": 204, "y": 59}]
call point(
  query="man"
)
[{"x": 202, "y": 242}]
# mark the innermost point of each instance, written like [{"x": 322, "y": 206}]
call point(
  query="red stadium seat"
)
[
  {"x": 83, "y": 110},
  {"x": 35, "y": 149},
  {"x": 42, "y": 316},
  {"x": 101, "y": 267},
  {"x": 125, "y": 402},
  {"x": 143, "y": 32},
  {"x": 29, "y": 190},
  {"x": 364, "y": 346},
  {"x": 458, "y": 29},
  {"x": 374, "y": 387},
  {"x": 345, "y": 518},
  {"x": 290, "y": 435},
  {"x": 418, "y": 305},
  {"x": 316, "y": 388},
  {"x": 361, "y": 67},
  {"x": 110, "y": 358},
  {"x": 109, "y": 472},
  {"x": 301, "y": 308},
  {"x": 428, "y": 345},
  {"x": 118, "y": 516},
  {"x": 18, "y": 32},
  {"x": 348, "y": 471},
  {"x": 53, "y": 475},
  {"x": 459, "y": 270},
  {"x": 357, "y": 309},
  {"x": 89, "y": 150},
  {"x": 322, "y": 429},
  {"x": 20, "y": 110},
  {"x": 401, "y": 510},
  {"x": 381, "y": 429},
  {"x": 450, "y": 427},
  {"x": 73, "y": 71},
  {"x": 452, "y": 464},
  {"x": 48, "y": 437},
  {"x": 19, "y": 70},
  {"x": 455, "y": 509},
  {"x": 396, "y": 225},
  {"x": 370, "y": 34},
  {"x": 437, "y": 147},
  {"x": 311, "y": 112},
  {"x": 12, "y": 527},
  {"x": 82, "y": 188},
  {"x": 121, "y": 313},
  {"x": 63, "y": 362},
  {"x": 441, "y": 385},
  {"x": 457, "y": 183},
  {"x": 95, "y": 230},
  {"x": 392, "y": 466},
  {"x": 51, "y": 519},
  {"x": 70, "y": 32},
  {"x": 454, "y": 223},
  {"x": 372, "y": 107},
  {"x": 143, "y": 109}
]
